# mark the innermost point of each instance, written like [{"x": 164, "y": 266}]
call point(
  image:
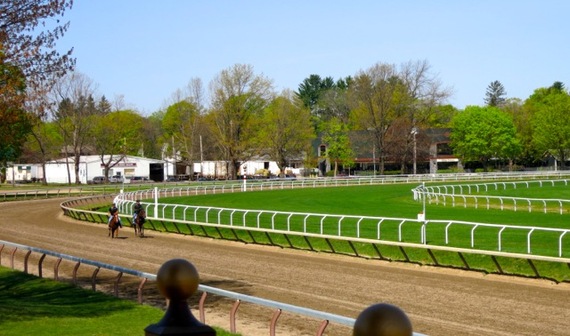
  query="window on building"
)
[
  {"x": 322, "y": 150},
  {"x": 444, "y": 149}
]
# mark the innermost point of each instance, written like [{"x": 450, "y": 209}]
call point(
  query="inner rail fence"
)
[
  {"x": 324, "y": 317},
  {"x": 468, "y": 195},
  {"x": 385, "y": 238},
  {"x": 408, "y": 230},
  {"x": 28, "y": 192}
]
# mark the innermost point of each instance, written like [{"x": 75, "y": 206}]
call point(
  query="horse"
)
[
  {"x": 114, "y": 226},
  {"x": 139, "y": 222}
]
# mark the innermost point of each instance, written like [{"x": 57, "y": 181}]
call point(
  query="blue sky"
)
[{"x": 146, "y": 50}]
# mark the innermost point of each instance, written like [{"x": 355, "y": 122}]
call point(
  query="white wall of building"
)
[
  {"x": 24, "y": 172},
  {"x": 211, "y": 168},
  {"x": 250, "y": 168},
  {"x": 91, "y": 166}
]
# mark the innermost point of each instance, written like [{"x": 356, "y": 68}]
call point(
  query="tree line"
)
[{"x": 48, "y": 111}]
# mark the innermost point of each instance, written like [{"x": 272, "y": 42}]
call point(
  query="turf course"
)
[{"x": 397, "y": 201}]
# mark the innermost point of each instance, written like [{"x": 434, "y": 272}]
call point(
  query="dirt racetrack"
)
[{"x": 438, "y": 301}]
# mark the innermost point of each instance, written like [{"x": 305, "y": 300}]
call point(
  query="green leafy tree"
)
[
  {"x": 522, "y": 114},
  {"x": 484, "y": 133},
  {"x": 285, "y": 130},
  {"x": 115, "y": 135},
  {"x": 339, "y": 148},
  {"x": 239, "y": 97},
  {"x": 44, "y": 143},
  {"x": 153, "y": 136},
  {"x": 495, "y": 95},
  {"x": 183, "y": 125},
  {"x": 551, "y": 122},
  {"x": 442, "y": 116}
]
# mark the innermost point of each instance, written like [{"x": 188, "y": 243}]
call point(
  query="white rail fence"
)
[
  {"x": 369, "y": 227},
  {"x": 200, "y": 188},
  {"x": 463, "y": 194}
]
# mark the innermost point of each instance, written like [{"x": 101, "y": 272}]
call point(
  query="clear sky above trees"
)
[{"x": 153, "y": 48}]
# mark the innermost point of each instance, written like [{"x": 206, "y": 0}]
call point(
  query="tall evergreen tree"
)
[{"x": 495, "y": 95}]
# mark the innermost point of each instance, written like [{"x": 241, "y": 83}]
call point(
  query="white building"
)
[
  {"x": 217, "y": 169},
  {"x": 24, "y": 172},
  {"x": 60, "y": 171}
]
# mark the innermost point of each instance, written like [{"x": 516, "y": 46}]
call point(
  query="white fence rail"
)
[
  {"x": 348, "y": 225},
  {"x": 462, "y": 194}
]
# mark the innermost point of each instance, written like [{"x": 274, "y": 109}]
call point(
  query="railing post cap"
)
[
  {"x": 383, "y": 319},
  {"x": 177, "y": 279}
]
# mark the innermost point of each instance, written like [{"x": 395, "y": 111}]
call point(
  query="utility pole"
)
[
  {"x": 201, "y": 158},
  {"x": 374, "y": 157},
  {"x": 414, "y": 133}
]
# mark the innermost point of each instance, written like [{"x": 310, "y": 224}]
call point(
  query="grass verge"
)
[{"x": 35, "y": 306}]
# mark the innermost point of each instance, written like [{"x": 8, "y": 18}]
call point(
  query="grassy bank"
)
[{"x": 34, "y": 306}]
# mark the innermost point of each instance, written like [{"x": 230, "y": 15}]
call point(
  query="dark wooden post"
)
[
  {"x": 382, "y": 320},
  {"x": 177, "y": 280}
]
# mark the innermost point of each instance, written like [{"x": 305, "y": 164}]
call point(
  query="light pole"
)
[
  {"x": 374, "y": 158},
  {"x": 414, "y": 133}
]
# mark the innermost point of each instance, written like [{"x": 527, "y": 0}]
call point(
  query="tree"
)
[
  {"x": 44, "y": 143},
  {"x": 495, "y": 95},
  {"x": 334, "y": 102},
  {"x": 28, "y": 42},
  {"x": 16, "y": 122},
  {"x": 484, "y": 133},
  {"x": 238, "y": 99},
  {"x": 375, "y": 97},
  {"x": 74, "y": 94},
  {"x": 285, "y": 130},
  {"x": 310, "y": 90},
  {"x": 402, "y": 144},
  {"x": 551, "y": 122},
  {"x": 522, "y": 114},
  {"x": 420, "y": 102},
  {"x": 442, "y": 116},
  {"x": 325, "y": 98},
  {"x": 115, "y": 135},
  {"x": 182, "y": 123},
  {"x": 339, "y": 148},
  {"x": 29, "y": 57}
]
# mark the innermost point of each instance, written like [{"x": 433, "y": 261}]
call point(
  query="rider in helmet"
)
[
  {"x": 112, "y": 211},
  {"x": 136, "y": 209}
]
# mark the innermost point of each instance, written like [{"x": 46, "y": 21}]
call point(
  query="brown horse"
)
[
  {"x": 114, "y": 226},
  {"x": 139, "y": 222}
]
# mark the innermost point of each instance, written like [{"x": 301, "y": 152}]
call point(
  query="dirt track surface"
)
[{"x": 438, "y": 301}]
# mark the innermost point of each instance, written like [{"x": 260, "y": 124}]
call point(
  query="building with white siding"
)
[{"x": 90, "y": 166}]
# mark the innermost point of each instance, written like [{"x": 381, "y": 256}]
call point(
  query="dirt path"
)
[{"x": 438, "y": 301}]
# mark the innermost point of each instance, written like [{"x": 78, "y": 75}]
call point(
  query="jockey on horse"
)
[
  {"x": 138, "y": 218},
  {"x": 136, "y": 209},
  {"x": 113, "y": 210}
]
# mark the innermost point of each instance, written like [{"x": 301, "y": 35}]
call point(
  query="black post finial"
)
[
  {"x": 177, "y": 280},
  {"x": 382, "y": 320}
]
